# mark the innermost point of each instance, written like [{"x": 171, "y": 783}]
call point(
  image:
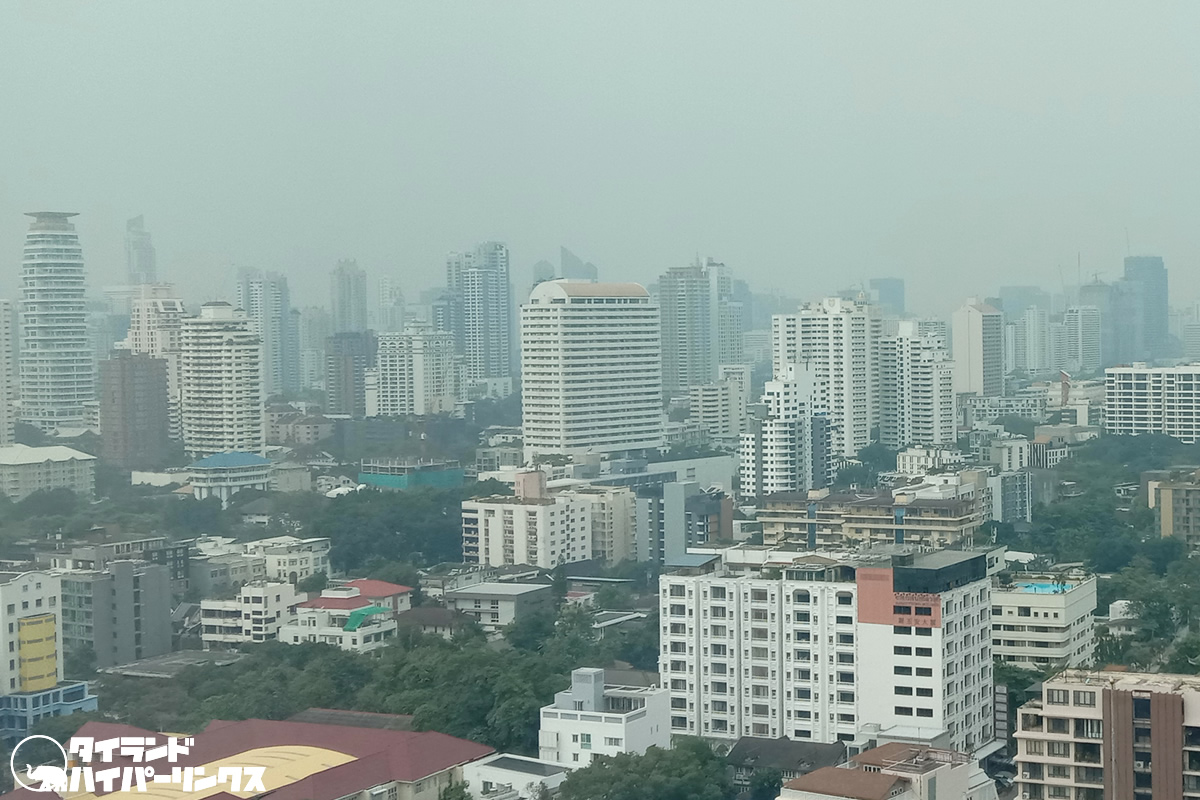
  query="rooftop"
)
[
  {"x": 22, "y": 454},
  {"x": 230, "y": 460},
  {"x": 492, "y": 587},
  {"x": 855, "y": 784},
  {"x": 1165, "y": 683},
  {"x": 786, "y": 754},
  {"x": 170, "y": 665},
  {"x": 902, "y": 757},
  {"x": 355, "y": 719},
  {"x": 373, "y": 588},
  {"x": 527, "y": 766}
]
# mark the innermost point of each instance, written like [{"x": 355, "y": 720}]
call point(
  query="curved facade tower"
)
[{"x": 58, "y": 382}]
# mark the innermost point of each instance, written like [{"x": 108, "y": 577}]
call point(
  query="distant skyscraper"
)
[
  {"x": 134, "y": 415},
  {"x": 1015, "y": 299},
  {"x": 840, "y": 340},
  {"x": 977, "y": 339},
  {"x": 415, "y": 373},
  {"x": 348, "y": 356},
  {"x": 348, "y": 297},
  {"x": 390, "y": 312},
  {"x": 314, "y": 327},
  {"x": 481, "y": 279},
  {"x": 8, "y": 372},
  {"x": 58, "y": 383},
  {"x": 221, "y": 398},
  {"x": 890, "y": 294},
  {"x": 572, "y": 267},
  {"x": 155, "y": 325},
  {"x": 701, "y": 324},
  {"x": 140, "y": 261},
  {"x": 265, "y": 298},
  {"x": 1152, "y": 274},
  {"x": 916, "y": 389},
  {"x": 1082, "y": 327},
  {"x": 591, "y": 369}
]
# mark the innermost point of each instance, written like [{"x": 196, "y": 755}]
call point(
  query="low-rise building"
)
[
  {"x": 398, "y": 475},
  {"x": 594, "y": 719},
  {"x": 914, "y": 461},
  {"x": 789, "y": 758},
  {"x": 504, "y": 776},
  {"x": 342, "y": 617},
  {"x": 219, "y": 573},
  {"x": 255, "y": 615},
  {"x": 977, "y": 410},
  {"x": 495, "y": 605},
  {"x": 673, "y": 516},
  {"x": 1044, "y": 621},
  {"x": 25, "y": 470},
  {"x": 290, "y": 558},
  {"x": 1099, "y": 735},
  {"x": 222, "y": 475},
  {"x": 433, "y": 620},
  {"x": 291, "y": 478},
  {"x": 894, "y": 771},
  {"x": 392, "y": 596},
  {"x": 1176, "y": 504}
]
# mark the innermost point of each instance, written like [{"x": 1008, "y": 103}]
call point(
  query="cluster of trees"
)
[{"x": 688, "y": 771}]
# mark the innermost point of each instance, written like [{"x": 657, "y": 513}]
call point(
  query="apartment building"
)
[
  {"x": 121, "y": 612},
  {"x": 415, "y": 372},
  {"x": 1142, "y": 399},
  {"x": 494, "y": 605},
  {"x": 1044, "y": 621},
  {"x": 929, "y": 516},
  {"x": 593, "y": 718},
  {"x": 916, "y": 389},
  {"x": 771, "y": 642},
  {"x": 894, "y": 771},
  {"x": 255, "y": 615},
  {"x": 1106, "y": 735},
  {"x": 221, "y": 400},
  {"x": 343, "y": 617},
  {"x": 719, "y": 408},
  {"x": 532, "y": 527},
  {"x": 290, "y": 558},
  {"x": 788, "y": 440},
  {"x": 1176, "y": 504},
  {"x": 25, "y": 470}
]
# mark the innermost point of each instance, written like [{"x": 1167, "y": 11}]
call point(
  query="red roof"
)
[
  {"x": 372, "y": 588},
  {"x": 380, "y": 755},
  {"x": 336, "y": 602}
]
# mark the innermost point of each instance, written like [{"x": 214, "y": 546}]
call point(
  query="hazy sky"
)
[{"x": 808, "y": 145}]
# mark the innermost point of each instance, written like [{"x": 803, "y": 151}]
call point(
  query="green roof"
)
[{"x": 359, "y": 615}]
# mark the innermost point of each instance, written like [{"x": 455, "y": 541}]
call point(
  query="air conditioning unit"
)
[
  {"x": 1024, "y": 795},
  {"x": 1025, "y": 775},
  {"x": 1139, "y": 765}
]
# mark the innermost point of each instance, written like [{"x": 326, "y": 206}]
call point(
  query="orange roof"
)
[
  {"x": 372, "y": 588},
  {"x": 854, "y": 784}
]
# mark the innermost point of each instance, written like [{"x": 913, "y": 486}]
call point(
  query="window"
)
[
  {"x": 1057, "y": 697},
  {"x": 902, "y": 630},
  {"x": 1085, "y": 699},
  {"x": 902, "y": 670},
  {"x": 924, "y": 631},
  {"x": 902, "y": 610},
  {"x": 903, "y": 711},
  {"x": 1023, "y": 611},
  {"x": 845, "y": 697},
  {"x": 925, "y": 651},
  {"x": 902, "y": 690},
  {"x": 924, "y": 712},
  {"x": 612, "y": 741},
  {"x": 803, "y": 693},
  {"x": 718, "y": 593},
  {"x": 1033, "y": 747},
  {"x": 1058, "y": 749},
  {"x": 924, "y": 611},
  {"x": 924, "y": 672},
  {"x": 758, "y": 595},
  {"x": 844, "y": 599},
  {"x": 901, "y": 651},
  {"x": 585, "y": 741},
  {"x": 845, "y": 620},
  {"x": 924, "y": 692}
]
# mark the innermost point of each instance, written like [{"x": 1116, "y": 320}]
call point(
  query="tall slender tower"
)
[
  {"x": 348, "y": 297},
  {"x": 8, "y": 372},
  {"x": 481, "y": 279},
  {"x": 58, "y": 382},
  {"x": 139, "y": 253},
  {"x": 978, "y": 348},
  {"x": 265, "y": 298},
  {"x": 1152, "y": 274},
  {"x": 916, "y": 388},
  {"x": 221, "y": 383}
]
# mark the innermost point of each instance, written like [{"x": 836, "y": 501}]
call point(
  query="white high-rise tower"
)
[
  {"x": 978, "y": 346},
  {"x": 221, "y": 383},
  {"x": 480, "y": 278},
  {"x": 265, "y": 298},
  {"x": 916, "y": 389},
  {"x": 591, "y": 369},
  {"x": 58, "y": 382}
]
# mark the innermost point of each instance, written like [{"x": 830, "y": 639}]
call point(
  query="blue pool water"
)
[{"x": 1040, "y": 588}]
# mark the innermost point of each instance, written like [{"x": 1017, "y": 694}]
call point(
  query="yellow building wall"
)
[{"x": 37, "y": 649}]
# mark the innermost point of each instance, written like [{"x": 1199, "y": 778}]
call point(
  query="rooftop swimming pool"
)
[{"x": 1041, "y": 588}]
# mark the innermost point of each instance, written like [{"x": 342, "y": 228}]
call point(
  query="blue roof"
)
[{"x": 227, "y": 460}]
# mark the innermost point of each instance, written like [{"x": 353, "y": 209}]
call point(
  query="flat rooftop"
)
[
  {"x": 169, "y": 665},
  {"x": 526, "y": 766},
  {"x": 493, "y": 587},
  {"x": 1161, "y": 682}
]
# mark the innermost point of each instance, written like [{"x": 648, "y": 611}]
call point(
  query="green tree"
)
[
  {"x": 313, "y": 583},
  {"x": 79, "y": 664},
  {"x": 455, "y": 791},
  {"x": 689, "y": 771},
  {"x": 765, "y": 784}
]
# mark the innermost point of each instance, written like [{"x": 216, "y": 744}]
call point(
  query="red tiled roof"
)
[
  {"x": 336, "y": 602},
  {"x": 380, "y": 755},
  {"x": 373, "y": 588},
  {"x": 854, "y": 784}
]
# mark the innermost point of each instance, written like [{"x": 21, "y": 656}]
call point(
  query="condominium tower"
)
[
  {"x": 916, "y": 390},
  {"x": 415, "y": 372},
  {"x": 220, "y": 383},
  {"x": 977, "y": 339},
  {"x": 480, "y": 280},
  {"x": 265, "y": 298},
  {"x": 58, "y": 382},
  {"x": 701, "y": 325},
  {"x": 591, "y": 369},
  {"x": 348, "y": 297}
]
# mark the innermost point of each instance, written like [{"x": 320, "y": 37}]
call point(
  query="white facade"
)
[
  {"x": 221, "y": 400},
  {"x": 977, "y": 342},
  {"x": 591, "y": 369},
  {"x": 1141, "y": 399},
  {"x": 495, "y": 605},
  {"x": 155, "y": 329},
  {"x": 593, "y": 719},
  {"x": 416, "y": 372},
  {"x": 541, "y": 531},
  {"x": 290, "y": 558},
  {"x": 1082, "y": 326},
  {"x": 786, "y": 447},
  {"x": 1010, "y": 454},
  {"x": 481, "y": 279},
  {"x": 701, "y": 325},
  {"x": 836, "y": 642},
  {"x": 57, "y": 365},
  {"x": 25, "y": 470},
  {"x": 613, "y": 518},
  {"x": 255, "y": 615},
  {"x": 719, "y": 408},
  {"x": 340, "y": 617},
  {"x": 265, "y": 298},
  {"x": 8, "y": 372},
  {"x": 915, "y": 461},
  {"x": 222, "y": 475},
  {"x": 1040, "y": 622},
  {"x": 504, "y": 776},
  {"x": 916, "y": 388},
  {"x": 840, "y": 340}
]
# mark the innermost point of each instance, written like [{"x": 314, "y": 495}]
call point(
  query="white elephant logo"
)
[{"x": 52, "y": 778}]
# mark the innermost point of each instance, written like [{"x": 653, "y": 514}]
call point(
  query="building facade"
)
[
  {"x": 348, "y": 356},
  {"x": 57, "y": 368},
  {"x": 255, "y": 614},
  {"x": 1044, "y": 621},
  {"x": 25, "y": 470},
  {"x": 770, "y": 643},
  {"x": 265, "y": 298},
  {"x": 121, "y": 612},
  {"x": 342, "y": 617},
  {"x": 221, "y": 399},
  {"x": 916, "y": 390},
  {"x": 480, "y": 280},
  {"x": 135, "y": 419},
  {"x": 593, "y": 719},
  {"x": 977, "y": 341},
  {"x": 348, "y": 297},
  {"x": 787, "y": 444},
  {"x": 591, "y": 369},
  {"x": 415, "y": 372},
  {"x": 533, "y": 527},
  {"x": 1141, "y": 399},
  {"x": 701, "y": 324},
  {"x": 495, "y": 605}
]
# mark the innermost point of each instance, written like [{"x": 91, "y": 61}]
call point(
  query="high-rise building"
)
[
  {"x": 977, "y": 342},
  {"x": 533, "y": 527},
  {"x": 390, "y": 311},
  {"x": 221, "y": 401},
  {"x": 701, "y": 324},
  {"x": 1098, "y": 734},
  {"x": 1014, "y": 300},
  {"x": 1140, "y": 399},
  {"x": 1151, "y": 273},
  {"x": 58, "y": 381},
  {"x": 572, "y": 267},
  {"x": 155, "y": 325},
  {"x": 134, "y": 411},
  {"x": 480, "y": 280},
  {"x": 591, "y": 369},
  {"x": 8, "y": 372},
  {"x": 348, "y": 297},
  {"x": 840, "y": 339},
  {"x": 415, "y": 372},
  {"x": 786, "y": 447},
  {"x": 348, "y": 356},
  {"x": 890, "y": 294},
  {"x": 120, "y": 610},
  {"x": 140, "y": 261},
  {"x": 314, "y": 327},
  {"x": 1082, "y": 328},
  {"x": 916, "y": 390},
  {"x": 829, "y": 643},
  {"x": 265, "y": 298}
]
